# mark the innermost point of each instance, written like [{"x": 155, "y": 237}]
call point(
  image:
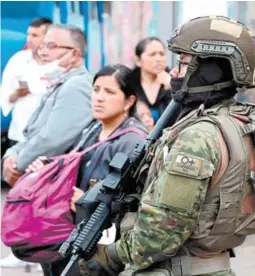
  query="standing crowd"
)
[{"x": 198, "y": 201}]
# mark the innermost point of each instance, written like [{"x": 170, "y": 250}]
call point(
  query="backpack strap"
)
[
  {"x": 249, "y": 128},
  {"x": 86, "y": 176}
]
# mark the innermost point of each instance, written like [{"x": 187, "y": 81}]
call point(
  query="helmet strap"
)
[
  {"x": 213, "y": 87},
  {"x": 181, "y": 93}
]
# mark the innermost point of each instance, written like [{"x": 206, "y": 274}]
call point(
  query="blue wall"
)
[
  {"x": 15, "y": 19},
  {"x": 237, "y": 11},
  {"x": 16, "y": 15}
]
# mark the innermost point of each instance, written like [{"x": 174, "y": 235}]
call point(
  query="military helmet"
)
[{"x": 219, "y": 37}]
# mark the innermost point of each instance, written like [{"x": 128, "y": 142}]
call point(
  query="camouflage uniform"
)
[{"x": 177, "y": 184}]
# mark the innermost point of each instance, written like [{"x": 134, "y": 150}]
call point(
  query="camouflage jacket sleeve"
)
[{"x": 170, "y": 205}]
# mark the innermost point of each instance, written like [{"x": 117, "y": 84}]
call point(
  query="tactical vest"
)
[{"x": 228, "y": 213}]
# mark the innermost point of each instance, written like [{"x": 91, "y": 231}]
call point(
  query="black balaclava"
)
[{"x": 210, "y": 71}]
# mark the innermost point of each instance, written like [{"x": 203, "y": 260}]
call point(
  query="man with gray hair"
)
[
  {"x": 61, "y": 38},
  {"x": 64, "y": 112}
]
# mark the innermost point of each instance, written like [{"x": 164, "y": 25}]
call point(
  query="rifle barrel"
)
[
  {"x": 70, "y": 264},
  {"x": 163, "y": 121}
]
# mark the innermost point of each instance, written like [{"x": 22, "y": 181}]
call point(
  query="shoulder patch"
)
[{"x": 187, "y": 165}]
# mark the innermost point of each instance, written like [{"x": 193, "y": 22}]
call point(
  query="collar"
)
[{"x": 65, "y": 76}]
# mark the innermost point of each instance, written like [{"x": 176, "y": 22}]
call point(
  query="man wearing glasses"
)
[{"x": 64, "y": 111}]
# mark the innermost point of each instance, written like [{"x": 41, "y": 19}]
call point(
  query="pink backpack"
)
[{"x": 36, "y": 217}]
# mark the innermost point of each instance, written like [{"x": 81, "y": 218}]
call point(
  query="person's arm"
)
[
  {"x": 165, "y": 79},
  {"x": 9, "y": 84},
  {"x": 170, "y": 206},
  {"x": 13, "y": 97},
  {"x": 9, "y": 171},
  {"x": 19, "y": 93},
  {"x": 69, "y": 116},
  {"x": 14, "y": 150}
]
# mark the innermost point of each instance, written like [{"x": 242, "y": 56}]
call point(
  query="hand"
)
[
  {"x": 101, "y": 264},
  {"x": 22, "y": 92},
  {"x": 68, "y": 60},
  {"x": 10, "y": 172},
  {"x": 164, "y": 78},
  {"x": 37, "y": 164},
  {"x": 19, "y": 93},
  {"x": 76, "y": 195}
]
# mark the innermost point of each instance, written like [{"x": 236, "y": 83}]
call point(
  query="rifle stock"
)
[{"x": 83, "y": 243}]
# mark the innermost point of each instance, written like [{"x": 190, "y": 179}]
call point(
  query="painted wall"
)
[
  {"x": 128, "y": 22},
  {"x": 243, "y": 11}
]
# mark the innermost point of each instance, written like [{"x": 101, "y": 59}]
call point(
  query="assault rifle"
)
[{"x": 97, "y": 202}]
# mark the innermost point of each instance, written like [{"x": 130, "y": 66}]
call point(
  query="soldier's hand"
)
[{"x": 101, "y": 264}]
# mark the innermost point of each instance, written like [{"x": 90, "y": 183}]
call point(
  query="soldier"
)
[{"x": 198, "y": 200}]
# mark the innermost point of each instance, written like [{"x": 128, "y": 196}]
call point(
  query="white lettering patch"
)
[{"x": 187, "y": 165}]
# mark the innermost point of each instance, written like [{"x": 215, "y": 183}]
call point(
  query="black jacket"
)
[
  {"x": 95, "y": 165},
  {"x": 162, "y": 101}
]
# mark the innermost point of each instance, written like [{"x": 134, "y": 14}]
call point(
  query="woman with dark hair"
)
[
  {"x": 150, "y": 75},
  {"x": 112, "y": 99}
]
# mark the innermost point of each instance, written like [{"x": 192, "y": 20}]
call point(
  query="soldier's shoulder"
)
[
  {"x": 201, "y": 130},
  {"x": 199, "y": 139}
]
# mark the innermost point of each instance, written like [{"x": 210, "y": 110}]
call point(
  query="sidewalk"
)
[
  {"x": 244, "y": 263},
  {"x": 21, "y": 271}
]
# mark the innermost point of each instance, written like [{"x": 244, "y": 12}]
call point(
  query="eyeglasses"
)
[
  {"x": 180, "y": 63},
  {"x": 52, "y": 45}
]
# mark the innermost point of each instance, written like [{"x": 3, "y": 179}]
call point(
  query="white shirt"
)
[{"x": 22, "y": 66}]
